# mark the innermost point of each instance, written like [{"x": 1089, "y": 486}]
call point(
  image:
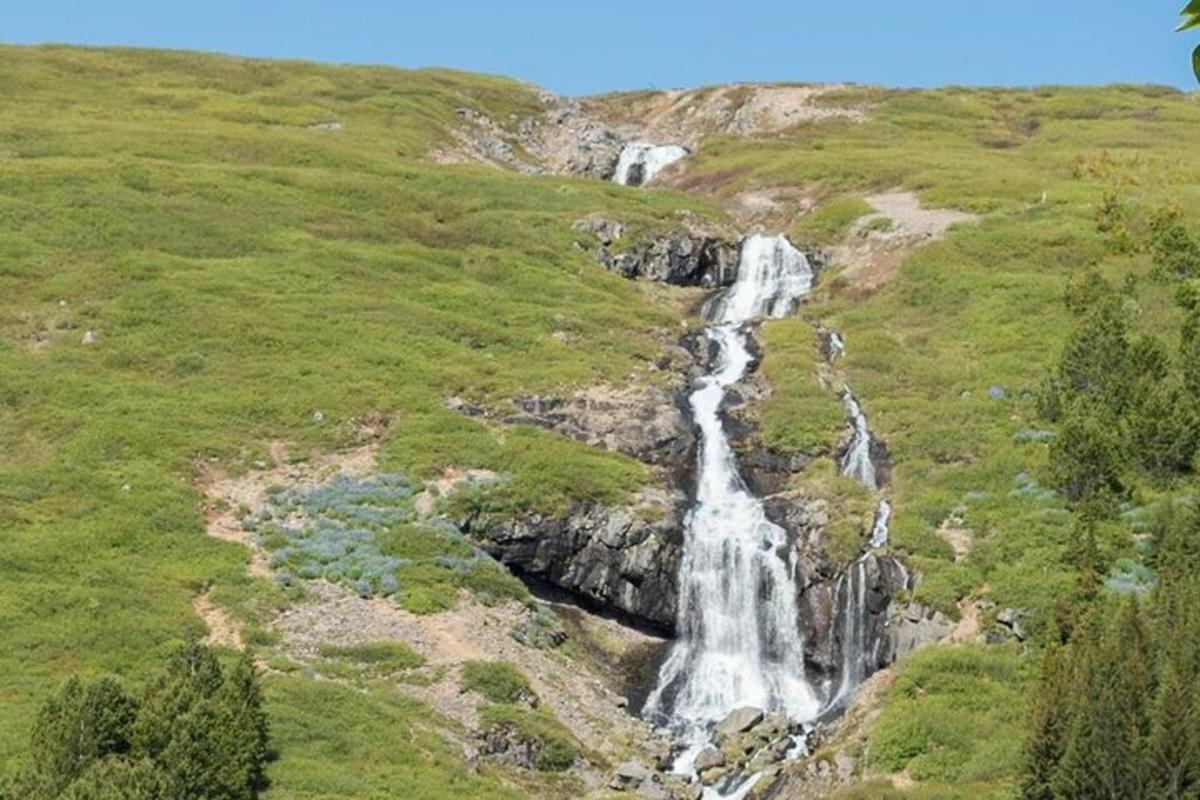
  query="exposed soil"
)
[
  {"x": 686, "y": 116},
  {"x": 871, "y": 258},
  {"x": 223, "y": 630}
]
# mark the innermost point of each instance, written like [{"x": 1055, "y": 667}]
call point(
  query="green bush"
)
[
  {"x": 378, "y": 656},
  {"x": 497, "y": 681},
  {"x": 196, "y": 731},
  {"x": 556, "y": 746}
]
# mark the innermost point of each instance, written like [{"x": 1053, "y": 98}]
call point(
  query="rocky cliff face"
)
[
  {"x": 612, "y": 558},
  {"x": 680, "y": 258}
]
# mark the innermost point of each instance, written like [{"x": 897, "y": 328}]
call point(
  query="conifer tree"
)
[
  {"x": 1050, "y": 719},
  {"x": 1172, "y": 760}
]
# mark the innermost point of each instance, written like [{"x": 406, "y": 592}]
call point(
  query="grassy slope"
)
[
  {"x": 258, "y": 270},
  {"x": 242, "y": 271},
  {"x": 981, "y": 309}
]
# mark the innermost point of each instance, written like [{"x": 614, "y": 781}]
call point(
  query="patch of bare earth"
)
[
  {"x": 447, "y": 640},
  {"x": 871, "y": 257},
  {"x": 581, "y": 696},
  {"x": 223, "y": 630},
  {"x": 686, "y": 116},
  {"x": 230, "y": 495},
  {"x": 775, "y": 207}
]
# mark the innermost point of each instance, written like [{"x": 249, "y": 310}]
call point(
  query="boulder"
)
[
  {"x": 740, "y": 720},
  {"x": 614, "y": 558},
  {"x": 708, "y": 758},
  {"x": 630, "y": 775}
]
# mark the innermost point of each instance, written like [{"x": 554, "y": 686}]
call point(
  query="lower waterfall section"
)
[{"x": 739, "y": 642}]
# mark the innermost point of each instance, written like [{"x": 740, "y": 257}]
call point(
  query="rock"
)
[
  {"x": 708, "y": 758},
  {"x": 646, "y": 422},
  {"x": 1011, "y": 618},
  {"x": 629, "y": 775},
  {"x": 503, "y": 743},
  {"x": 844, "y": 765},
  {"x": 679, "y": 258},
  {"x": 611, "y": 557},
  {"x": 740, "y": 720},
  {"x": 917, "y": 627},
  {"x": 607, "y": 231}
]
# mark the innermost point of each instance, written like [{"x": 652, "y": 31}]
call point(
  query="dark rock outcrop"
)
[
  {"x": 826, "y": 602},
  {"x": 623, "y": 560},
  {"x": 680, "y": 258}
]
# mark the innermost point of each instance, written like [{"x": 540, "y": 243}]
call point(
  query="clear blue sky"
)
[{"x": 580, "y": 47}]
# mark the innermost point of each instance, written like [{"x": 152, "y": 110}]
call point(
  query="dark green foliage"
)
[
  {"x": 195, "y": 733},
  {"x": 1176, "y": 253},
  {"x": 1115, "y": 713},
  {"x": 80, "y": 725},
  {"x": 1086, "y": 458},
  {"x": 1050, "y": 721},
  {"x": 1123, "y": 403}
]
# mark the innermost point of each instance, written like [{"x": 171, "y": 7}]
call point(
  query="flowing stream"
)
[
  {"x": 858, "y": 656},
  {"x": 641, "y": 161},
  {"x": 739, "y": 642}
]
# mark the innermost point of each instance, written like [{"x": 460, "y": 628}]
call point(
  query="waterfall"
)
[
  {"x": 739, "y": 643},
  {"x": 879, "y": 531},
  {"x": 641, "y": 161},
  {"x": 856, "y": 463}
]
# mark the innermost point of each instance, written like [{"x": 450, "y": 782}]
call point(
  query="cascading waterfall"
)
[
  {"x": 856, "y": 462},
  {"x": 857, "y": 658},
  {"x": 641, "y": 161},
  {"x": 739, "y": 642}
]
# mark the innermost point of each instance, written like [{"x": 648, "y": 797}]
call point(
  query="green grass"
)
[
  {"x": 557, "y": 747},
  {"x": 497, "y": 681},
  {"x": 337, "y": 743},
  {"x": 377, "y": 656},
  {"x": 955, "y": 719},
  {"x": 242, "y": 271}
]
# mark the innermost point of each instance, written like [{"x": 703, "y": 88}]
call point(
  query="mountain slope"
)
[{"x": 203, "y": 258}]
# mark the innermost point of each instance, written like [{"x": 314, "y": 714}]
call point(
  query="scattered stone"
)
[
  {"x": 740, "y": 720},
  {"x": 1011, "y": 618},
  {"x": 708, "y": 758},
  {"x": 125, "y": 487},
  {"x": 997, "y": 392},
  {"x": 318, "y": 416},
  {"x": 89, "y": 337},
  {"x": 630, "y": 775},
  {"x": 845, "y": 767}
]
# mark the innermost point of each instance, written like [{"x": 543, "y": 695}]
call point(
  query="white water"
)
[
  {"x": 856, "y": 462},
  {"x": 641, "y": 161},
  {"x": 739, "y": 643},
  {"x": 837, "y": 346},
  {"x": 879, "y": 533}
]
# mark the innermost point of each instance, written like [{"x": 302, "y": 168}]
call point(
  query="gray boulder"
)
[{"x": 740, "y": 720}]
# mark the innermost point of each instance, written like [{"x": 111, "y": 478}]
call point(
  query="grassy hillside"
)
[
  {"x": 240, "y": 271},
  {"x": 262, "y": 252}
]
